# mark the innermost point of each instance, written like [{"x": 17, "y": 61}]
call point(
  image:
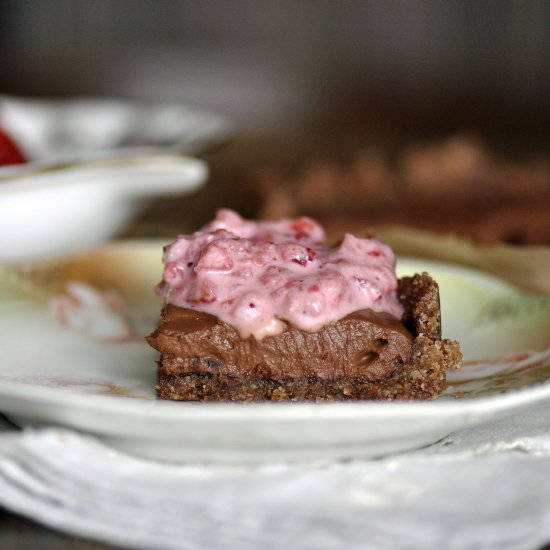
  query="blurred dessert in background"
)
[{"x": 457, "y": 184}]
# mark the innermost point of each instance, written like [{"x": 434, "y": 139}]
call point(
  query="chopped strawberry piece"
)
[
  {"x": 300, "y": 261},
  {"x": 302, "y": 228},
  {"x": 9, "y": 152},
  {"x": 207, "y": 298}
]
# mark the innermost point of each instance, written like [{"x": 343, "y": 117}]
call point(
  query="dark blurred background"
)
[{"x": 425, "y": 99}]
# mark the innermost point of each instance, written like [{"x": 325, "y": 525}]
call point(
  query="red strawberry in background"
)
[{"x": 9, "y": 152}]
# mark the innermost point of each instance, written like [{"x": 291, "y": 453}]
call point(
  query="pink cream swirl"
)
[{"x": 256, "y": 276}]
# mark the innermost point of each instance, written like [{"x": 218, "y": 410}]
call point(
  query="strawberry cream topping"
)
[{"x": 256, "y": 276}]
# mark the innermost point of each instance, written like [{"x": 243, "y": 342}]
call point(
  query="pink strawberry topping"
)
[{"x": 256, "y": 276}]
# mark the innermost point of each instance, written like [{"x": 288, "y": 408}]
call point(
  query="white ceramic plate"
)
[
  {"x": 54, "y": 131},
  {"x": 65, "y": 208},
  {"x": 94, "y": 163},
  {"x": 72, "y": 354}
]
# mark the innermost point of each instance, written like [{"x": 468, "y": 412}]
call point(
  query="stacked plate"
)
[{"x": 93, "y": 165}]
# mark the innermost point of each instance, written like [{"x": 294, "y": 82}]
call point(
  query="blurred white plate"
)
[
  {"x": 64, "y": 208},
  {"x": 52, "y": 131},
  {"x": 72, "y": 354},
  {"x": 93, "y": 164}
]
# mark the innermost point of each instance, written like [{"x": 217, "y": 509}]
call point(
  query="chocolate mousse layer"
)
[{"x": 365, "y": 355}]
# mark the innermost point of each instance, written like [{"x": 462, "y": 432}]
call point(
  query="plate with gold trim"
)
[{"x": 72, "y": 354}]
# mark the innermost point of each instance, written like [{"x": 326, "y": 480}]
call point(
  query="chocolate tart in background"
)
[{"x": 457, "y": 184}]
